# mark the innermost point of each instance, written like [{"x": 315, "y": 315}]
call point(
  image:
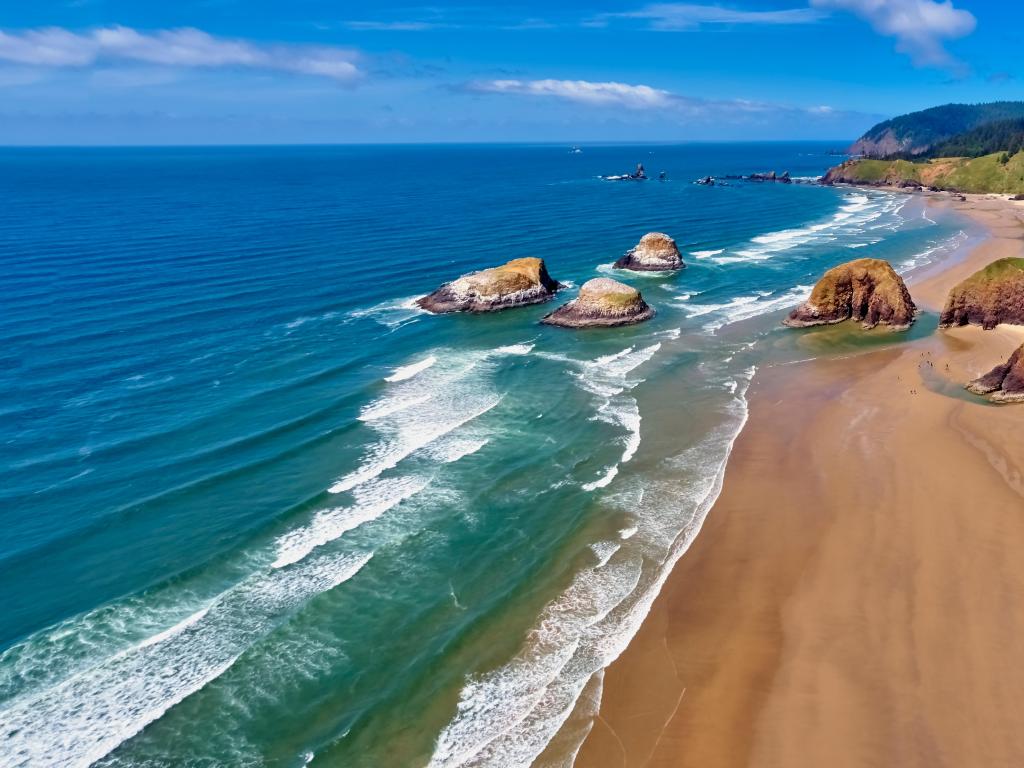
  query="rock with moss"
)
[
  {"x": 656, "y": 252},
  {"x": 867, "y": 291},
  {"x": 602, "y": 303},
  {"x": 990, "y": 296},
  {"x": 515, "y": 284},
  {"x": 1004, "y": 383}
]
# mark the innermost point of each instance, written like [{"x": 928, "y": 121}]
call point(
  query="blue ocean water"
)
[{"x": 261, "y": 510}]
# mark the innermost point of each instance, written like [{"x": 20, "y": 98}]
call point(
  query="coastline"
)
[{"x": 852, "y": 598}]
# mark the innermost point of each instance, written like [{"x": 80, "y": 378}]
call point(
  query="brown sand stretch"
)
[{"x": 856, "y": 596}]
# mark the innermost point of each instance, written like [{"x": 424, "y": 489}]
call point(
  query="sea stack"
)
[
  {"x": 989, "y": 297},
  {"x": 515, "y": 284},
  {"x": 602, "y": 303},
  {"x": 656, "y": 252},
  {"x": 1004, "y": 383},
  {"x": 866, "y": 290}
]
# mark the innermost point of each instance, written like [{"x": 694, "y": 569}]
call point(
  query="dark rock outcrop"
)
[
  {"x": 1004, "y": 383},
  {"x": 602, "y": 303},
  {"x": 989, "y": 297},
  {"x": 865, "y": 290},
  {"x": 656, "y": 252},
  {"x": 515, "y": 284}
]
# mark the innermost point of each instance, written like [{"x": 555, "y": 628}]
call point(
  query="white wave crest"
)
[
  {"x": 82, "y": 718},
  {"x": 372, "y": 500},
  {"x": 408, "y": 371}
]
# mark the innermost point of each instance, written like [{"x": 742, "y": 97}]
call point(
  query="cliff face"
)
[
  {"x": 602, "y": 303},
  {"x": 866, "y": 290},
  {"x": 883, "y": 144},
  {"x": 515, "y": 284},
  {"x": 989, "y": 297},
  {"x": 1004, "y": 383},
  {"x": 656, "y": 252}
]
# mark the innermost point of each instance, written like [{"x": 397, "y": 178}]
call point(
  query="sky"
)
[{"x": 76, "y": 72}]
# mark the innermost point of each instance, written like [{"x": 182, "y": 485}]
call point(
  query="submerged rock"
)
[
  {"x": 656, "y": 252},
  {"x": 989, "y": 297},
  {"x": 866, "y": 290},
  {"x": 602, "y": 303},
  {"x": 515, "y": 284},
  {"x": 1004, "y": 383}
]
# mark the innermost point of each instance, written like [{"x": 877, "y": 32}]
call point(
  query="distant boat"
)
[{"x": 575, "y": 151}]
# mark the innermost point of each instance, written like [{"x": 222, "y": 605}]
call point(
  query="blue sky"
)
[{"x": 267, "y": 71}]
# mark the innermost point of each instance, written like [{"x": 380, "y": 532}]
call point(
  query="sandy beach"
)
[{"x": 856, "y": 596}]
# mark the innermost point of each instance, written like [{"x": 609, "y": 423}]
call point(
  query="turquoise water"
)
[{"x": 259, "y": 510}]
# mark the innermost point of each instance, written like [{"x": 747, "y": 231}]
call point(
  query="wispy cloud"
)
[
  {"x": 615, "y": 96},
  {"x": 921, "y": 27},
  {"x": 680, "y": 16},
  {"x": 186, "y": 47},
  {"x": 581, "y": 91},
  {"x": 394, "y": 26}
]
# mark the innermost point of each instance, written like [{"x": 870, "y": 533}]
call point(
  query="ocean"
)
[{"x": 260, "y": 510}]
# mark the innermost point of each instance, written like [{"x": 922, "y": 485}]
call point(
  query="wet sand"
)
[{"x": 856, "y": 596}]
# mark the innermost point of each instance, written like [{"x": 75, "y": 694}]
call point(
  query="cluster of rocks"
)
[
  {"x": 870, "y": 292},
  {"x": 782, "y": 178},
  {"x": 601, "y": 303},
  {"x": 866, "y": 291}
]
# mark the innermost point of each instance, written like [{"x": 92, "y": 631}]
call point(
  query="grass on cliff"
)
[
  {"x": 995, "y": 173},
  {"x": 998, "y": 269}
]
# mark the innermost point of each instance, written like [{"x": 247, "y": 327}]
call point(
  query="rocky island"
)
[
  {"x": 990, "y": 296},
  {"x": 602, "y": 303},
  {"x": 514, "y": 284},
  {"x": 656, "y": 252},
  {"x": 1004, "y": 383},
  {"x": 865, "y": 290}
]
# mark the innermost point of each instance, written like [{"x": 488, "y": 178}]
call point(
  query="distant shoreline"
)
[{"x": 851, "y": 599}]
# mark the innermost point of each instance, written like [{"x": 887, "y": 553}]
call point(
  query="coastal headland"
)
[{"x": 856, "y": 594}]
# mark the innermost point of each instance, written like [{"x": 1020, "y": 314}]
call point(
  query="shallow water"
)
[{"x": 260, "y": 510}]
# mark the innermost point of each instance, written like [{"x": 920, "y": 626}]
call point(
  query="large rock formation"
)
[
  {"x": 656, "y": 252},
  {"x": 1004, "y": 383},
  {"x": 515, "y": 284},
  {"x": 865, "y": 290},
  {"x": 602, "y": 303},
  {"x": 990, "y": 296}
]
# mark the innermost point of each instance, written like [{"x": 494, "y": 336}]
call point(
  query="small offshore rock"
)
[
  {"x": 656, "y": 252},
  {"x": 866, "y": 290},
  {"x": 602, "y": 303},
  {"x": 516, "y": 284}
]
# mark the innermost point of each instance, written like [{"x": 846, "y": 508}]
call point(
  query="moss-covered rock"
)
[
  {"x": 656, "y": 252},
  {"x": 602, "y": 303},
  {"x": 1004, "y": 383},
  {"x": 990, "y": 296},
  {"x": 865, "y": 290},
  {"x": 515, "y": 284}
]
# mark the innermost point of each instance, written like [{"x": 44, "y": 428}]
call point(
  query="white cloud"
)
[
  {"x": 920, "y": 27},
  {"x": 187, "y": 47},
  {"x": 583, "y": 91},
  {"x": 678, "y": 16}
]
